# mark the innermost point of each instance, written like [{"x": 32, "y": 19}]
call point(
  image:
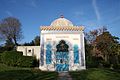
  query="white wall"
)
[
  {"x": 71, "y": 38},
  {"x": 30, "y": 50}
]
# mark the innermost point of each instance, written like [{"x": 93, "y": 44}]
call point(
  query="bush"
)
[
  {"x": 26, "y": 61},
  {"x": 106, "y": 64},
  {"x": 94, "y": 62},
  {"x": 0, "y": 58},
  {"x": 35, "y": 62},
  {"x": 91, "y": 64},
  {"x": 10, "y": 57},
  {"x": 14, "y": 58},
  {"x": 116, "y": 66}
]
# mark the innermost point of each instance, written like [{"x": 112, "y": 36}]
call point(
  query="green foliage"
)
[
  {"x": 0, "y": 57},
  {"x": 35, "y": 62},
  {"x": 107, "y": 45},
  {"x": 94, "y": 62},
  {"x": 26, "y": 61},
  {"x": 29, "y": 44},
  {"x": 4, "y": 67},
  {"x": 91, "y": 64},
  {"x": 103, "y": 49},
  {"x": 6, "y": 48},
  {"x": 37, "y": 41},
  {"x": 116, "y": 66},
  {"x": 106, "y": 64},
  {"x": 119, "y": 58},
  {"x": 13, "y": 58},
  {"x": 91, "y": 61}
]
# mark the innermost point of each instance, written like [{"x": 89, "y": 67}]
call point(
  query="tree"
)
[
  {"x": 34, "y": 42},
  {"x": 10, "y": 30},
  {"x": 104, "y": 46},
  {"x": 91, "y": 39},
  {"x": 29, "y": 43},
  {"x": 91, "y": 36},
  {"x": 107, "y": 45},
  {"x": 37, "y": 41}
]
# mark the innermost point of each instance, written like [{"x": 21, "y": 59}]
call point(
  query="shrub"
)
[
  {"x": 26, "y": 61},
  {"x": 35, "y": 62},
  {"x": 14, "y": 58},
  {"x": 0, "y": 58},
  {"x": 106, "y": 64},
  {"x": 94, "y": 62},
  {"x": 11, "y": 57},
  {"x": 116, "y": 66},
  {"x": 92, "y": 65}
]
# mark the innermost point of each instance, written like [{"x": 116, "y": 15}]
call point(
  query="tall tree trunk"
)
[
  {"x": 15, "y": 41},
  {"x": 105, "y": 58}
]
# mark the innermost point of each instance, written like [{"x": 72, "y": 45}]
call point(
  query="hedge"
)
[
  {"x": 0, "y": 57},
  {"x": 116, "y": 66},
  {"x": 14, "y": 58},
  {"x": 26, "y": 61}
]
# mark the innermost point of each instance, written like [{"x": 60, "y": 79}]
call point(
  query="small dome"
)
[{"x": 61, "y": 22}]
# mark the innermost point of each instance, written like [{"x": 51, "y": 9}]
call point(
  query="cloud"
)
[
  {"x": 9, "y": 13},
  {"x": 94, "y": 4}
]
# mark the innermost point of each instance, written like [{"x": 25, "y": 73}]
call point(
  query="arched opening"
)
[{"x": 62, "y": 58}]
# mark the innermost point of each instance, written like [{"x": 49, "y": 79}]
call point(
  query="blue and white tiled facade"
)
[{"x": 62, "y": 46}]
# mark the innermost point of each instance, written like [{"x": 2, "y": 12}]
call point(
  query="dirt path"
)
[{"x": 64, "y": 76}]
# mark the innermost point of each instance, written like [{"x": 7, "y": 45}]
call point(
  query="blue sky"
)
[{"x": 35, "y": 13}]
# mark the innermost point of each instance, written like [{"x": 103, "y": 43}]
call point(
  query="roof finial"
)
[{"x": 61, "y": 16}]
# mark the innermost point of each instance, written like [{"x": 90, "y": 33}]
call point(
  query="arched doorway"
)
[{"x": 62, "y": 56}]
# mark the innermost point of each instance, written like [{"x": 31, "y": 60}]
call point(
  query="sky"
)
[{"x": 32, "y": 14}]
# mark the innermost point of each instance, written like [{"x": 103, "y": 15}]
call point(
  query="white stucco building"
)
[{"x": 62, "y": 47}]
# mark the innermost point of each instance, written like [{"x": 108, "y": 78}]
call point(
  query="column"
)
[
  {"x": 71, "y": 59},
  {"x": 82, "y": 50},
  {"x": 42, "y": 50}
]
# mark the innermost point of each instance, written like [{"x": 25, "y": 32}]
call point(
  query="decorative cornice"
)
[{"x": 71, "y": 28}]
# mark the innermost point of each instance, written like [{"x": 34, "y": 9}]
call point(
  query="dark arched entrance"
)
[{"x": 62, "y": 58}]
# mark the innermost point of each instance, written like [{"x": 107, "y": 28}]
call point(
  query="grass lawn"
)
[
  {"x": 14, "y": 73},
  {"x": 95, "y": 74}
]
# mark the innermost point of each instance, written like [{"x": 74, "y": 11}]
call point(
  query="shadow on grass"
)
[
  {"x": 27, "y": 75},
  {"x": 95, "y": 74}
]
